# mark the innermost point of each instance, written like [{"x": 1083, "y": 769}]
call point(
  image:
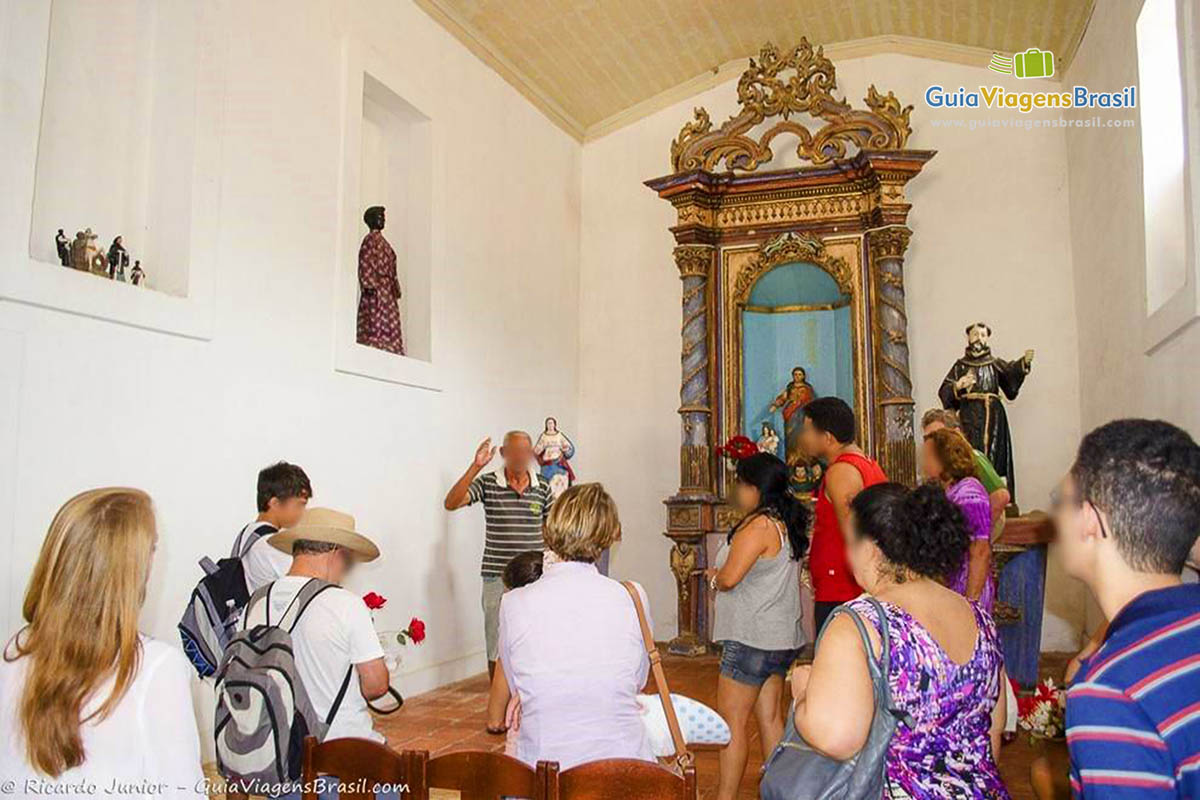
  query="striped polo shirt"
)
[
  {"x": 513, "y": 521},
  {"x": 1133, "y": 713}
]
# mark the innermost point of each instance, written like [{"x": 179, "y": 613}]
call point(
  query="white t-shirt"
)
[
  {"x": 333, "y": 633},
  {"x": 148, "y": 744},
  {"x": 263, "y": 563}
]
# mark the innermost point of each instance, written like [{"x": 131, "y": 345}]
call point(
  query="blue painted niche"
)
[{"x": 776, "y": 339}]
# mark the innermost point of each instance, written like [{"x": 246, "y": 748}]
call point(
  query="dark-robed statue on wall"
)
[
  {"x": 973, "y": 388},
  {"x": 378, "y": 288}
]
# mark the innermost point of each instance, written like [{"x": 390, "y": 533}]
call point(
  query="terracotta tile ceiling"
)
[{"x": 587, "y": 63}]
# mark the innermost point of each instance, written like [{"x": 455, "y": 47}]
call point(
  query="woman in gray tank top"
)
[{"x": 756, "y": 579}]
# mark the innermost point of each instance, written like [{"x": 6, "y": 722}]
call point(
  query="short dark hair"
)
[
  {"x": 373, "y": 217},
  {"x": 1145, "y": 475},
  {"x": 282, "y": 481},
  {"x": 974, "y": 325},
  {"x": 832, "y": 415},
  {"x": 523, "y": 569},
  {"x": 302, "y": 547},
  {"x": 946, "y": 416}
]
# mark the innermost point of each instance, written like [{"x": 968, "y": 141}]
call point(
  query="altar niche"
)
[
  {"x": 785, "y": 270},
  {"x": 797, "y": 344}
]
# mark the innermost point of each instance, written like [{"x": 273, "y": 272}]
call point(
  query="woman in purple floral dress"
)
[
  {"x": 945, "y": 668},
  {"x": 949, "y": 461}
]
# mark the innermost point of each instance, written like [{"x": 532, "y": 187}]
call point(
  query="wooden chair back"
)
[
  {"x": 360, "y": 764},
  {"x": 621, "y": 779},
  {"x": 479, "y": 775}
]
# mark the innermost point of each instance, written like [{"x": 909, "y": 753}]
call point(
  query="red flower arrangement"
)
[
  {"x": 737, "y": 448},
  {"x": 415, "y": 632},
  {"x": 374, "y": 601}
]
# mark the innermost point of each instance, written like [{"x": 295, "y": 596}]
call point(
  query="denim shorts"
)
[{"x": 752, "y": 666}]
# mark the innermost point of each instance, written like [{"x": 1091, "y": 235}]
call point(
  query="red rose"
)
[
  {"x": 738, "y": 448},
  {"x": 374, "y": 601},
  {"x": 416, "y": 630}
]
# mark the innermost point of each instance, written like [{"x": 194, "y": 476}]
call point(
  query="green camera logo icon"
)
[{"x": 1033, "y": 63}]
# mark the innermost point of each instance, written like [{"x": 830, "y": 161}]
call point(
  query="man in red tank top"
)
[{"x": 828, "y": 434}]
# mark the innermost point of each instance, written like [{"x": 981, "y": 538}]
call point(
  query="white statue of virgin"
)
[{"x": 554, "y": 451}]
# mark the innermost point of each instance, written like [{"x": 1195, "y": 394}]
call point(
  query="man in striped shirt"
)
[
  {"x": 516, "y": 501},
  {"x": 1128, "y": 513}
]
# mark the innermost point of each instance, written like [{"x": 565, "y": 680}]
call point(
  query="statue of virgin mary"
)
[{"x": 554, "y": 452}]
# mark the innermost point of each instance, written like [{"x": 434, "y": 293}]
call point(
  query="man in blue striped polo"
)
[
  {"x": 1128, "y": 513},
  {"x": 516, "y": 501}
]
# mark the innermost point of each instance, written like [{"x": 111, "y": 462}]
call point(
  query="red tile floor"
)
[{"x": 453, "y": 718}]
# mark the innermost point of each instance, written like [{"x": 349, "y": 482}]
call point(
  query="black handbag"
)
[{"x": 795, "y": 771}]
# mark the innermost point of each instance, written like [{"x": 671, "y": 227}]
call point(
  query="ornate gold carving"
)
[
  {"x": 794, "y": 210},
  {"x": 787, "y": 248},
  {"x": 693, "y": 260},
  {"x": 889, "y": 242},
  {"x": 683, "y": 517},
  {"x": 683, "y": 563},
  {"x": 763, "y": 92},
  {"x": 727, "y": 517},
  {"x": 693, "y": 467}
]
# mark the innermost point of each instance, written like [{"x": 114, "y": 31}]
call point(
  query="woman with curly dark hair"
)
[
  {"x": 949, "y": 461},
  {"x": 945, "y": 668}
]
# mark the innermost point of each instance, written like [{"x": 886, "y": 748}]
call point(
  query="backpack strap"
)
[
  {"x": 249, "y": 537},
  {"x": 341, "y": 695},
  {"x": 308, "y": 592}
]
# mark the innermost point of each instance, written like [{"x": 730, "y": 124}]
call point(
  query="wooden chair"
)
[
  {"x": 360, "y": 764},
  {"x": 479, "y": 775},
  {"x": 621, "y": 779}
]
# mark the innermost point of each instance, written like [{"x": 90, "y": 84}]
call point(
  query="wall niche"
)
[
  {"x": 117, "y": 134},
  {"x": 387, "y": 161}
]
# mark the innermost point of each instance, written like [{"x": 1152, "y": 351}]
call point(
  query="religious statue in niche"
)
[
  {"x": 554, "y": 451},
  {"x": 63, "y": 245},
  {"x": 973, "y": 387},
  {"x": 379, "y": 288},
  {"x": 768, "y": 442},
  {"x": 791, "y": 401}
]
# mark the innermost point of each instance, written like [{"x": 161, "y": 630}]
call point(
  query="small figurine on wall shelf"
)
[
  {"x": 554, "y": 451},
  {"x": 137, "y": 276},
  {"x": 973, "y": 388},
  {"x": 379, "y": 288},
  {"x": 118, "y": 258},
  {"x": 79, "y": 253},
  {"x": 63, "y": 245}
]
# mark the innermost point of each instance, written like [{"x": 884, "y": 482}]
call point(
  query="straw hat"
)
[{"x": 326, "y": 525}]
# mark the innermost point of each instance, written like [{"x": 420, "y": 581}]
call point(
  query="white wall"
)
[
  {"x": 1108, "y": 242},
  {"x": 87, "y": 402},
  {"x": 990, "y": 242}
]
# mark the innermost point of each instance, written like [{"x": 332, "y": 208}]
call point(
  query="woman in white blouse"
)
[
  {"x": 88, "y": 705},
  {"x": 572, "y": 647}
]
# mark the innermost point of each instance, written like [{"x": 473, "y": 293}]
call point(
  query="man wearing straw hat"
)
[{"x": 335, "y": 632}]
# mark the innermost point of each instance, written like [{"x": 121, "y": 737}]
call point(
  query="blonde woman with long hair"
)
[{"x": 87, "y": 704}]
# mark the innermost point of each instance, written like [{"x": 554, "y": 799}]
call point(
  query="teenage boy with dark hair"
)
[
  {"x": 828, "y": 434},
  {"x": 283, "y": 493},
  {"x": 1127, "y": 515}
]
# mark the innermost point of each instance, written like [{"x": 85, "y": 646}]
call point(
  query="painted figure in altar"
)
[
  {"x": 379, "y": 288},
  {"x": 137, "y": 275},
  {"x": 973, "y": 387},
  {"x": 791, "y": 401},
  {"x": 768, "y": 442},
  {"x": 554, "y": 452}
]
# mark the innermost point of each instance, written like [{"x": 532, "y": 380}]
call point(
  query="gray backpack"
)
[
  {"x": 263, "y": 711},
  {"x": 795, "y": 771}
]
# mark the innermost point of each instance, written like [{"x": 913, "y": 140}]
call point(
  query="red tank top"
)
[{"x": 832, "y": 580}]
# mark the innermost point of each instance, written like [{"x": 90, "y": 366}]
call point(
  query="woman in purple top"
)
[
  {"x": 949, "y": 462},
  {"x": 945, "y": 668}
]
